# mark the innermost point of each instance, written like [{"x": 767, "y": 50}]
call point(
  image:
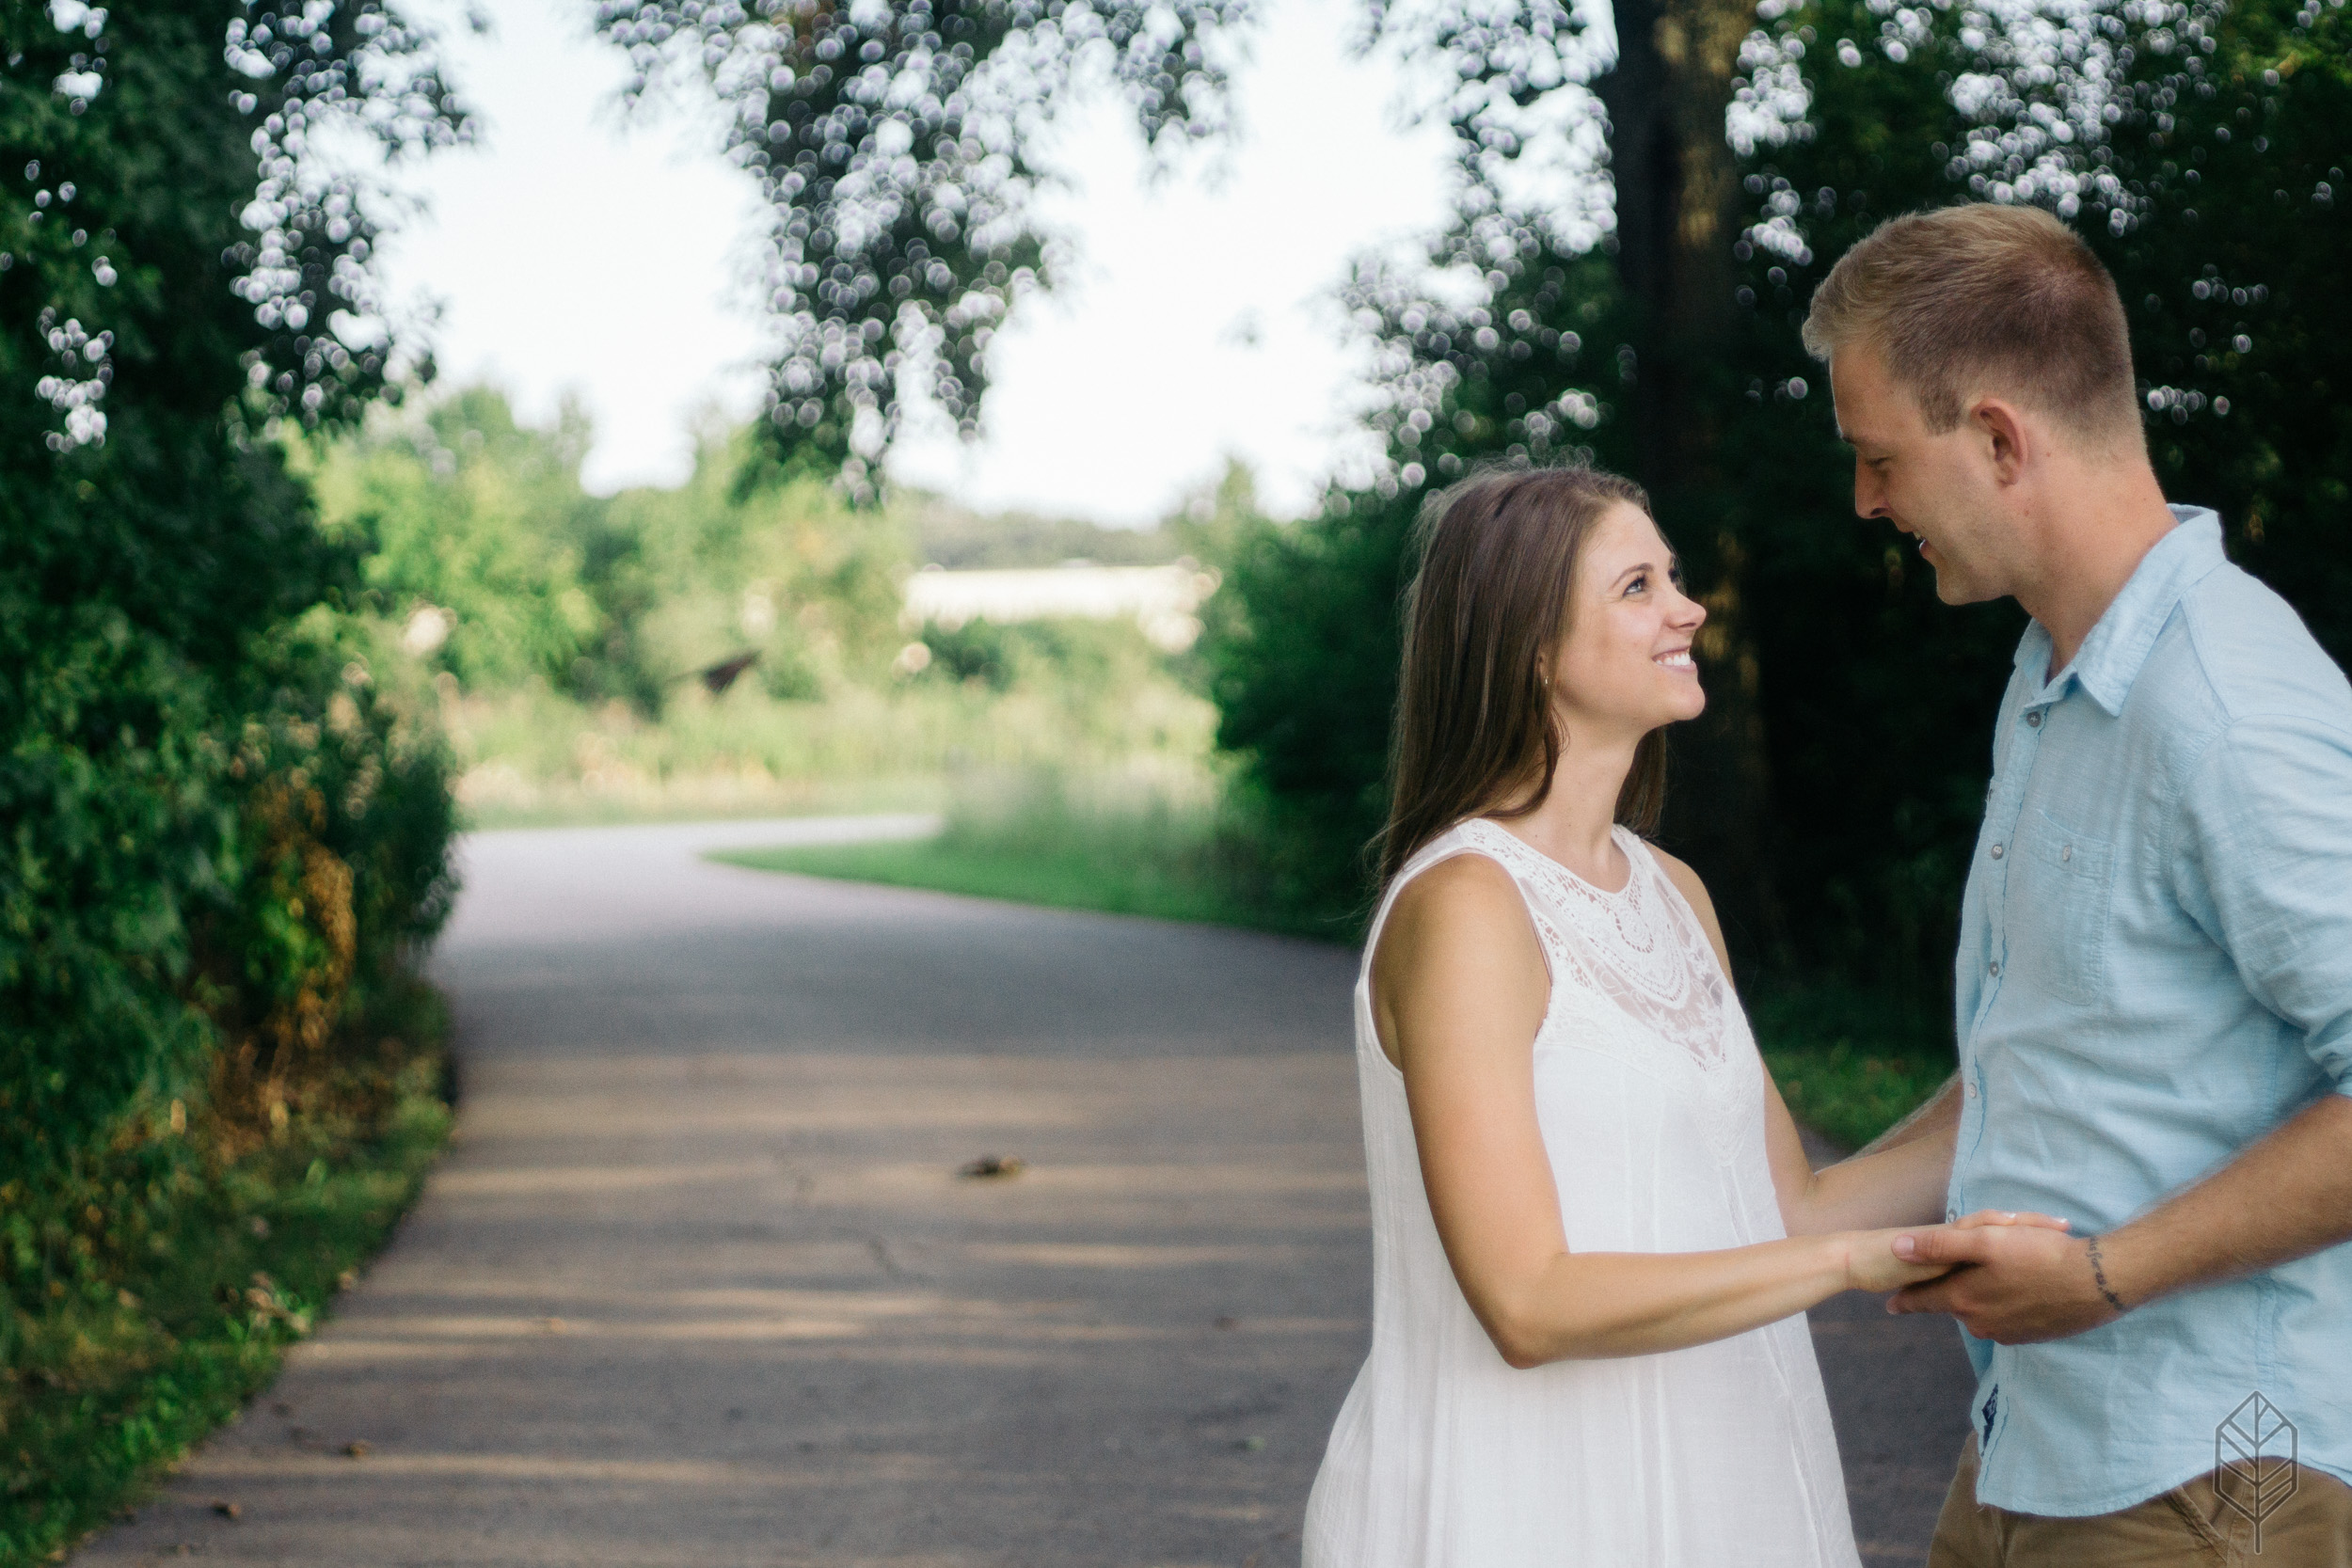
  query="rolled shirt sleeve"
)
[{"x": 2263, "y": 863}]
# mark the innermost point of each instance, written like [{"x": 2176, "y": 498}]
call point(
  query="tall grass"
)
[
  {"x": 531, "y": 756},
  {"x": 185, "y": 1254}
]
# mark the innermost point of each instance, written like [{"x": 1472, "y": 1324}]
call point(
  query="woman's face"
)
[{"x": 1624, "y": 667}]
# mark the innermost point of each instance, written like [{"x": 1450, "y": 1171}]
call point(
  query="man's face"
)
[{"x": 1939, "y": 489}]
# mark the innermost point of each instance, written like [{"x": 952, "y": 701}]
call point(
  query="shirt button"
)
[
  {"x": 1994, "y": 969},
  {"x": 2067, "y": 853},
  {"x": 1999, "y": 851},
  {"x": 1969, "y": 1089},
  {"x": 2033, "y": 719}
]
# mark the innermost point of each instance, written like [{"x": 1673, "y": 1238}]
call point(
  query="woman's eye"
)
[{"x": 1637, "y": 585}]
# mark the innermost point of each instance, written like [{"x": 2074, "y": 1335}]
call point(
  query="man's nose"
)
[{"x": 1867, "y": 500}]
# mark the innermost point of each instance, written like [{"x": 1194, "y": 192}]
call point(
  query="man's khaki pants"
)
[{"x": 2190, "y": 1526}]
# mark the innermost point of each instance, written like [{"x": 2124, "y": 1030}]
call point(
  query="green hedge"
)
[{"x": 224, "y": 818}]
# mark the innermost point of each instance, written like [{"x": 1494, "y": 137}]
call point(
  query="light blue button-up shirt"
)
[{"x": 2156, "y": 970}]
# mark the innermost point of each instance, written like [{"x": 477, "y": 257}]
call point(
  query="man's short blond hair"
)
[{"x": 1985, "y": 299}]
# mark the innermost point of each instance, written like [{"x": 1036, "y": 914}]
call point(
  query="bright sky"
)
[{"x": 571, "y": 251}]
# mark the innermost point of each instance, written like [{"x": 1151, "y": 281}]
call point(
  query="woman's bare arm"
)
[{"x": 1459, "y": 991}]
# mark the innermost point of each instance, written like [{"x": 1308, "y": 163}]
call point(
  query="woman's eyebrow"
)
[{"x": 1630, "y": 571}]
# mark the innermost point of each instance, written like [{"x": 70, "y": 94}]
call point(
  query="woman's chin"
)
[
  {"x": 1687, "y": 703},
  {"x": 1678, "y": 713}
]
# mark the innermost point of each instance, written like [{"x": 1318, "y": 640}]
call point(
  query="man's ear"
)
[{"x": 2008, "y": 442}]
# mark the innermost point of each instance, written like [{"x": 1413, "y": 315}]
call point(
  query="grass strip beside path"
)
[
  {"x": 1079, "y": 875},
  {"x": 132, "y": 1361}
]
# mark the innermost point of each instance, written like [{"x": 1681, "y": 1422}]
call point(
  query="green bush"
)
[
  {"x": 223, "y": 823},
  {"x": 473, "y": 529},
  {"x": 1302, "y": 642},
  {"x": 118, "y": 826},
  {"x": 170, "y": 669},
  {"x": 462, "y": 512}
]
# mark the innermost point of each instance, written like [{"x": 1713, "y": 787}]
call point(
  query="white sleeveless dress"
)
[{"x": 1650, "y": 1098}]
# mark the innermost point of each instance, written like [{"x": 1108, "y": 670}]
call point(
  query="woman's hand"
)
[{"x": 1871, "y": 1263}]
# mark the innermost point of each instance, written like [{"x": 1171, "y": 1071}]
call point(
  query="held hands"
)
[
  {"x": 1876, "y": 1261},
  {"x": 2015, "y": 1285}
]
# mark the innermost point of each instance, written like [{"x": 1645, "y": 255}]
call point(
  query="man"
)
[{"x": 2154, "y": 978}]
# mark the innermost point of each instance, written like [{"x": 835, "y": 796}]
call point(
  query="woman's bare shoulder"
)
[
  {"x": 1464, "y": 909},
  {"x": 1457, "y": 960},
  {"x": 1470, "y": 885}
]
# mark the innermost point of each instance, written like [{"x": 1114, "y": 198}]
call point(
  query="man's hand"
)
[{"x": 2014, "y": 1284}]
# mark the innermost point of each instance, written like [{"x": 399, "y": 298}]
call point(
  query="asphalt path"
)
[{"x": 699, "y": 1282}]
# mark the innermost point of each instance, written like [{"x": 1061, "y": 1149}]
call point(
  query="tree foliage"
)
[
  {"x": 2198, "y": 149},
  {"x": 181, "y": 265},
  {"x": 473, "y": 533},
  {"x": 2202, "y": 151},
  {"x": 892, "y": 140}
]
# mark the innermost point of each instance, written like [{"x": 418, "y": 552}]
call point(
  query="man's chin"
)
[{"x": 1954, "y": 588}]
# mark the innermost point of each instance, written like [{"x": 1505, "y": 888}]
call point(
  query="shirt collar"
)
[{"x": 2110, "y": 657}]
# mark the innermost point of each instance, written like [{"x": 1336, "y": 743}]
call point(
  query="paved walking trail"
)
[{"x": 698, "y": 1283}]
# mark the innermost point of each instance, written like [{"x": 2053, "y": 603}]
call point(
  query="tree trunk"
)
[{"x": 1678, "y": 213}]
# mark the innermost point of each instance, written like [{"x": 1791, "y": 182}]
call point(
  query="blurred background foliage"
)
[
  {"x": 1832, "y": 796},
  {"x": 738, "y": 644}
]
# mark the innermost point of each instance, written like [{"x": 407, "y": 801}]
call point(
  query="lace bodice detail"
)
[{"x": 1640, "y": 947}]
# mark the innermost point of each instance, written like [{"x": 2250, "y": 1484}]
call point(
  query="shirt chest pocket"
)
[{"x": 2061, "y": 910}]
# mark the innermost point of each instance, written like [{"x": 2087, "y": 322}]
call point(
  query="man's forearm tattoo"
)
[{"x": 2099, "y": 1275}]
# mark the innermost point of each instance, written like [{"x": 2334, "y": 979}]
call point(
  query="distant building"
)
[{"x": 1162, "y": 600}]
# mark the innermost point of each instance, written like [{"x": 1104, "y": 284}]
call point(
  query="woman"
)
[{"x": 1593, "y": 1225}]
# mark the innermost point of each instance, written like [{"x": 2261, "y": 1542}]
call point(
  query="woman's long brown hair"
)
[{"x": 1483, "y": 621}]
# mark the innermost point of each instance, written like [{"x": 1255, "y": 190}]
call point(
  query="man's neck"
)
[{"x": 2093, "y": 537}]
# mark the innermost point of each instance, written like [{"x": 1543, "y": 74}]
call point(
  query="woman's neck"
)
[{"x": 1572, "y": 822}]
